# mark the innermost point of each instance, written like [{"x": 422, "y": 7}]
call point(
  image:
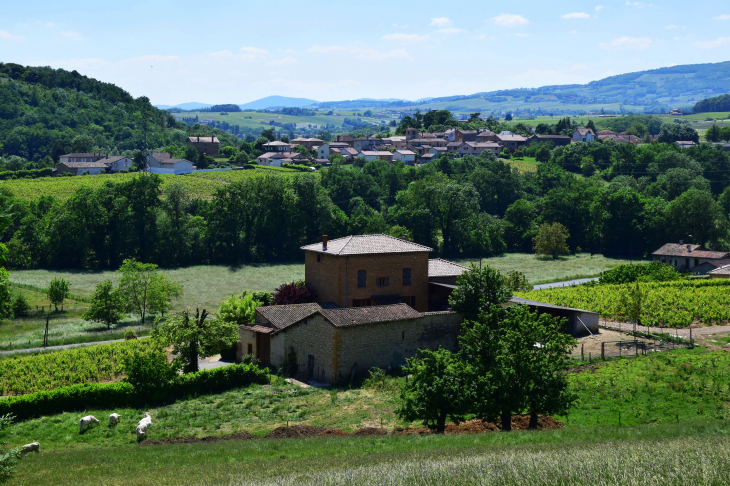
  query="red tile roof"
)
[
  {"x": 367, "y": 245},
  {"x": 725, "y": 270}
]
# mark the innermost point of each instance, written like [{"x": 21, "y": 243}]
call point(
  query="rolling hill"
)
[{"x": 277, "y": 102}]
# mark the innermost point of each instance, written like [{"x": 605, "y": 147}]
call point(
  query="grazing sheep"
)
[
  {"x": 86, "y": 422},
  {"x": 143, "y": 425},
  {"x": 113, "y": 419},
  {"x": 32, "y": 447}
]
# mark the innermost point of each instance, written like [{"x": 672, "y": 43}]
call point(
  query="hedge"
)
[
  {"x": 122, "y": 394},
  {"x": 21, "y": 174}
]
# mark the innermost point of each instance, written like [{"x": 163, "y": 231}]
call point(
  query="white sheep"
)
[
  {"x": 113, "y": 419},
  {"x": 143, "y": 425},
  {"x": 32, "y": 447},
  {"x": 86, "y": 422}
]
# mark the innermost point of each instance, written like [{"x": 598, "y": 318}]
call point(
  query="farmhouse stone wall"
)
[
  {"x": 335, "y": 350},
  {"x": 335, "y": 277}
]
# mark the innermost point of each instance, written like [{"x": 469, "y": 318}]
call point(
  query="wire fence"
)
[{"x": 640, "y": 345}]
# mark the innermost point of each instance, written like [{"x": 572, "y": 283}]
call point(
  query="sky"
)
[{"x": 236, "y": 52}]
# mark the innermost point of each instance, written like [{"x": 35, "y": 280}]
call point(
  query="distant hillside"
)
[
  {"x": 277, "y": 102},
  {"x": 47, "y": 112},
  {"x": 717, "y": 103}
]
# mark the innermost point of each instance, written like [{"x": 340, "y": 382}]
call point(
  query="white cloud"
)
[
  {"x": 575, "y": 15},
  {"x": 407, "y": 38},
  {"x": 282, "y": 61},
  {"x": 509, "y": 20},
  {"x": 10, "y": 37},
  {"x": 72, "y": 35},
  {"x": 440, "y": 21},
  {"x": 450, "y": 30},
  {"x": 671, "y": 27},
  {"x": 479, "y": 37},
  {"x": 639, "y": 4},
  {"x": 720, "y": 41},
  {"x": 599, "y": 7},
  {"x": 722, "y": 17},
  {"x": 573, "y": 31},
  {"x": 632, "y": 43},
  {"x": 325, "y": 49},
  {"x": 249, "y": 53},
  {"x": 521, "y": 34}
]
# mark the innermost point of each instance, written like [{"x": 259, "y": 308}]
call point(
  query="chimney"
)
[{"x": 324, "y": 242}]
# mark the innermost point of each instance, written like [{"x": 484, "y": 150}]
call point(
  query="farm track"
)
[{"x": 683, "y": 333}]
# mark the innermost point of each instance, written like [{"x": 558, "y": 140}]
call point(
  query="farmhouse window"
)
[
  {"x": 383, "y": 281},
  {"x": 406, "y": 276},
  {"x": 697, "y": 261},
  {"x": 360, "y": 302},
  {"x": 361, "y": 278},
  {"x": 250, "y": 348}
]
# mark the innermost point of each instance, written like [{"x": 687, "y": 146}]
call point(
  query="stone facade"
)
[
  {"x": 336, "y": 277},
  {"x": 204, "y": 145},
  {"x": 329, "y": 353}
]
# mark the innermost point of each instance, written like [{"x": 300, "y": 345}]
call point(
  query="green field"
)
[{"x": 673, "y": 429}]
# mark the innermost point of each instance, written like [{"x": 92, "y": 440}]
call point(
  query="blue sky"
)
[{"x": 235, "y": 52}]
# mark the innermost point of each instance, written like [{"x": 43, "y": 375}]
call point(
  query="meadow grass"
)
[{"x": 692, "y": 453}]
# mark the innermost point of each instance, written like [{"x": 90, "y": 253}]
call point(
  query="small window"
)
[
  {"x": 361, "y": 278},
  {"x": 383, "y": 281},
  {"x": 250, "y": 348},
  {"x": 360, "y": 302},
  {"x": 697, "y": 261},
  {"x": 406, "y": 276}
]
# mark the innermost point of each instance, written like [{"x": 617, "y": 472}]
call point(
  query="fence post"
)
[
  {"x": 582, "y": 357},
  {"x": 589, "y": 356},
  {"x": 691, "y": 343},
  {"x": 603, "y": 350},
  {"x": 619, "y": 348},
  {"x": 636, "y": 347}
]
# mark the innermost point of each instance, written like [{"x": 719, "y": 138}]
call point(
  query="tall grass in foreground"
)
[{"x": 677, "y": 461}]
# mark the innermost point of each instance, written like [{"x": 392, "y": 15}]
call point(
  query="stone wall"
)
[
  {"x": 246, "y": 338},
  {"x": 335, "y": 277},
  {"x": 337, "y": 349}
]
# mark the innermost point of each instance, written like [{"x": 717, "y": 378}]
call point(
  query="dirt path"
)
[{"x": 683, "y": 333}]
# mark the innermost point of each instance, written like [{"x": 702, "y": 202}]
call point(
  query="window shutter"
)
[
  {"x": 387, "y": 281},
  {"x": 361, "y": 278}
]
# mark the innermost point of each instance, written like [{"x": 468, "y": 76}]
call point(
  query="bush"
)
[
  {"x": 122, "y": 394},
  {"x": 20, "y": 306},
  {"x": 229, "y": 354},
  {"x": 129, "y": 335},
  {"x": 653, "y": 272},
  {"x": 295, "y": 293}
]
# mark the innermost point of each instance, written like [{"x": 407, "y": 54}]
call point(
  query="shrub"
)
[
  {"x": 238, "y": 309},
  {"x": 122, "y": 394},
  {"x": 129, "y": 335},
  {"x": 295, "y": 293},
  {"x": 20, "y": 306},
  {"x": 653, "y": 272}
]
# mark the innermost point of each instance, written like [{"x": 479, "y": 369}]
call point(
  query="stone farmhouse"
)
[
  {"x": 164, "y": 163},
  {"x": 379, "y": 300},
  {"x": 204, "y": 145},
  {"x": 92, "y": 164},
  {"x": 375, "y": 295}
]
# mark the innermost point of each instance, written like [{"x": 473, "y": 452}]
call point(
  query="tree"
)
[
  {"x": 592, "y": 126},
  {"x": 143, "y": 289},
  {"x": 57, "y": 291},
  {"x": 542, "y": 154},
  {"x": 725, "y": 133},
  {"x": 477, "y": 290},
  {"x": 269, "y": 134},
  {"x": 194, "y": 337},
  {"x": 672, "y": 132},
  {"x": 8, "y": 458},
  {"x": 631, "y": 303},
  {"x": 552, "y": 240},
  {"x": 106, "y": 305},
  {"x": 298, "y": 292},
  {"x": 542, "y": 129},
  {"x": 713, "y": 134},
  {"x": 238, "y": 309},
  {"x": 149, "y": 368},
  {"x": 508, "y": 117},
  {"x": 5, "y": 298},
  {"x": 439, "y": 389},
  {"x": 517, "y": 282},
  {"x": 516, "y": 361}
]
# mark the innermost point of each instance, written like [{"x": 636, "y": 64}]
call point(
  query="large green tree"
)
[
  {"x": 478, "y": 289},
  {"x": 144, "y": 289},
  {"x": 106, "y": 305}
]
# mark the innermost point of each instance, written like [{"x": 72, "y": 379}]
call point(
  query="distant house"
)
[
  {"x": 277, "y": 159},
  {"x": 465, "y": 135},
  {"x": 438, "y": 151},
  {"x": 720, "y": 272},
  {"x": 348, "y": 139},
  {"x": 684, "y": 144},
  {"x": 277, "y": 146},
  {"x": 101, "y": 165},
  {"x": 557, "y": 140},
  {"x": 426, "y": 158},
  {"x": 163, "y": 163},
  {"x": 486, "y": 136},
  {"x": 511, "y": 142},
  {"x": 370, "y": 155},
  {"x": 307, "y": 143},
  {"x": 723, "y": 145},
  {"x": 325, "y": 150},
  {"x": 82, "y": 157},
  {"x": 584, "y": 135},
  {"x": 685, "y": 257},
  {"x": 408, "y": 157},
  {"x": 676, "y": 112},
  {"x": 204, "y": 145},
  {"x": 476, "y": 148}
]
